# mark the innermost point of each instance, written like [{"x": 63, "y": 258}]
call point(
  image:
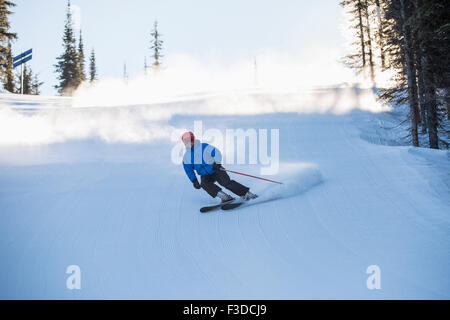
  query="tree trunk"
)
[
  {"x": 369, "y": 43},
  {"x": 419, "y": 52},
  {"x": 431, "y": 103},
  {"x": 411, "y": 74},
  {"x": 427, "y": 84},
  {"x": 447, "y": 101},
  {"x": 380, "y": 35},
  {"x": 421, "y": 91},
  {"x": 361, "y": 31}
]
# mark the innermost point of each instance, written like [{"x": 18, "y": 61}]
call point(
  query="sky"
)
[{"x": 225, "y": 32}]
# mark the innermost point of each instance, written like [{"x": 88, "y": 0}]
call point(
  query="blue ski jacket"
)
[{"x": 200, "y": 158}]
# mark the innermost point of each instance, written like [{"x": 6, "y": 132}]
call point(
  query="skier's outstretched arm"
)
[{"x": 189, "y": 169}]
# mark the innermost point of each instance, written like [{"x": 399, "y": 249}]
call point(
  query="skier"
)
[{"x": 205, "y": 160}]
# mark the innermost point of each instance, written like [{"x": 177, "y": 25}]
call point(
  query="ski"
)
[
  {"x": 251, "y": 202},
  {"x": 230, "y": 206},
  {"x": 210, "y": 208},
  {"x": 235, "y": 204},
  {"x": 215, "y": 207}
]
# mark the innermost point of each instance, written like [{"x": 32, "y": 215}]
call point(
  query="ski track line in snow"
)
[
  {"x": 282, "y": 231},
  {"x": 186, "y": 249},
  {"x": 163, "y": 248},
  {"x": 275, "y": 227},
  {"x": 298, "y": 224},
  {"x": 235, "y": 242},
  {"x": 178, "y": 252},
  {"x": 214, "y": 257}
]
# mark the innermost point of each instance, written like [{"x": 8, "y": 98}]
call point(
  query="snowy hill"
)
[{"x": 94, "y": 186}]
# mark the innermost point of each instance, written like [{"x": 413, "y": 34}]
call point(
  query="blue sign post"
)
[{"x": 20, "y": 60}]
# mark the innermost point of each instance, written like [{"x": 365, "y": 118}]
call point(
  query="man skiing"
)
[{"x": 205, "y": 160}]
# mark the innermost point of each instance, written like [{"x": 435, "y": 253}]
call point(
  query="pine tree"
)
[
  {"x": 26, "y": 81},
  {"x": 9, "y": 81},
  {"x": 92, "y": 67},
  {"x": 368, "y": 31},
  {"x": 156, "y": 46},
  {"x": 408, "y": 43},
  {"x": 356, "y": 60},
  {"x": 367, "y": 18},
  {"x": 380, "y": 33},
  {"x": 125, "y": 72},
  {"x": 432, "y": 48},
  {"x": 145, "y": 66},
  {"x": 420, "y": 87},
  {"x": 68, "y": 62},
  {"x": 31, "y": 82},
  {"x": 413, "y": 37},
  {"x": 6, "y": 36},
  {"x": 417, "y": 43},
  {"x": 81, "y": 59},
  {"x": 36, "y": 85},
  {"x": 400, "y": 54}
]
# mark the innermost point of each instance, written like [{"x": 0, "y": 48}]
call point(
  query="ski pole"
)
[{"x": 247, "y": 175}]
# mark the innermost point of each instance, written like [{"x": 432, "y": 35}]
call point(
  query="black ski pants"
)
[{"x": 208, "y": 184}]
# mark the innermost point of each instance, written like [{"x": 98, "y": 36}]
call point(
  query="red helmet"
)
[{"x": 188, "y": 138}]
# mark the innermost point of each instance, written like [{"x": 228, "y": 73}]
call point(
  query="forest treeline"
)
[
  {"x": 70, "y": 65},
  {"x": 411, "y": 38}
]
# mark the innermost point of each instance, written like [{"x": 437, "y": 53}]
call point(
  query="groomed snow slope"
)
[{"x": 128, "y": 217}]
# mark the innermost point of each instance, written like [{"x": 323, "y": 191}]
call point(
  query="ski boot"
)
[
  {"x": 224, "y": 198},
  {"x": 249, "y": 196}
]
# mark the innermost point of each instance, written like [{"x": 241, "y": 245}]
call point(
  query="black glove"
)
[
  {"x": 196, "y": 184},
  {"x": 216, "y": 166}
]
